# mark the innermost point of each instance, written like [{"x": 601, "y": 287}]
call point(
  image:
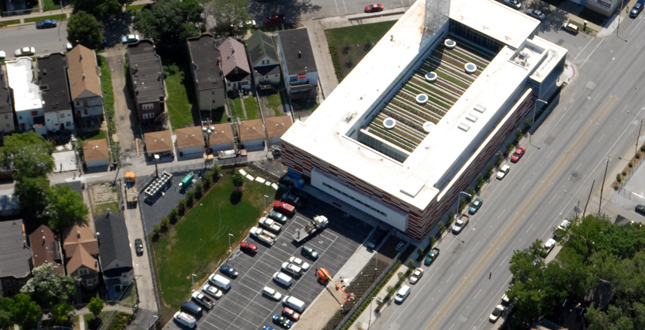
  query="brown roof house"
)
[
  {"x": 84, "y": 76},
  {"x": 146, "y": 74},
  {"x": 207, "y": 74},
  {"x": 235, "y": 65},
  {"x": 81, "y": 254},
  {"x": 190, "y": 142},
  {"x": 276, "y": 127},
  {"x": 159, "y": 143},
  {"x": 46, "y": 249},
  {"x": 251, "y": 134},
  {"x": 15, "y": 258},
  {"x": 96, "y": 154},
  {"x": 221, "y": 137}
]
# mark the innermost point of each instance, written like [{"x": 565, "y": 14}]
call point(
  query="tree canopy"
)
[
  {"x": 65, "y": 207},
  {"x": 100, "y": 8},
  {"x": 594, "y": 251},
  {"x": 84, "y": 29},
  {"x": 47, "y": 288},
  {"x": 32, "y": 199},
  {"x": 96, "y": 306},
  {"x": 228, "y": 13},
  {"x": 27, "y": 154},
  {"x": 24, "y": 312}
]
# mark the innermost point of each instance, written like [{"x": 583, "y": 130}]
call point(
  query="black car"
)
[
  {"x": 45, "y": 24},
  {"x": 640, "y": 208},
  {"x": 229, "y": 271},
  {"x": 138, "y": 246},
  {"x": 638, "y": 7},
  {"x": 376, "y": 238}
]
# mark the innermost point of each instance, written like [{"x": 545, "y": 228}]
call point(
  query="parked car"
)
[
  {"x": 212, "y": 291},
  {"x": 640, "y": 208},
  {"x": 284, "y": 208},
  {"x": 564, "y": 225},
  {"x": 185, "y": 319},
  {"x": 403, "y": 293},
  {"x": 229, "y": 271},
  {"x": 497, "y": 312},
  {"x": 130, "y": 38},
  {"x": 416, "y": 275},
  {"x": 374, "y": 8},
  {"x": 138, "y": 246},
  {"x": 513, "y": 4},
  {"x": 25, "y": 51},
  {"x": 291, "y": 269},
  {"x": 300, "y": 263},
  {"x": 69, "y": 46},
  {"x": 460, "y": 224},
  {"x": 536, "y": 14},
  {"x": 291, "y": 314},
  {"x": 274, "y": 19},
  {"x": 502, "y": 171},
  {"x": 248, "y": 247},
  {"x": 519, "y": 152},
  {"x": 46, "y": 24},
  {"x": 638, "y": 7},
  {"x": 282, "y": 321},
  {"x": 375, "y": 239},
  {"x": 505, "y": 300},
  {"x": 277, "y": 216},
  {"x": 475, "y": 205},
  {"x": 432, "y": 255},
  {"x": 570, "y": 27},
  {"x": 271, "y": 293},
  {"x": 548, "y": 245},
  {"x": 309, "y": 252}
]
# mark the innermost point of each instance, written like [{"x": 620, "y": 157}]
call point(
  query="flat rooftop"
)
[
  {"x": 26, "y": 93},
  {"x": 332, "y": 132},
  {"x": 147, "y": 72}
]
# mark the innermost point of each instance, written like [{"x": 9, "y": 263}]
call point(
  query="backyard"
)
[
  {"x": 348, "y": 45},
  {"x": 199, "y": 242},
  {"x": 180, "y": 108}
]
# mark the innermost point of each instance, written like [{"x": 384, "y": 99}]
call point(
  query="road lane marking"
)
[
  {"x": 528, "y": 205},
  {"x": 474, "y": 247}
]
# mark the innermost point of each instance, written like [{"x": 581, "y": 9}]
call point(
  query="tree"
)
[
  {"x": 32, "y": 198},
  {"x": 48, "y": 288},
  {"x": 100, "y": 8},
  {"x": 65, "y": 208},
  {"x": 96, "y": 306},
  {"x": 169, "y": 22},
  {"x": 238, "y": 180},
  {"x": 228, "y": 13},
  {"x": 26, "y": 312},
  {"x": 27, "y": 155},
  {"x": 84, "y": 29},
  {"x": 60, "y": 314},
  {"x": 5, "y": 318}
]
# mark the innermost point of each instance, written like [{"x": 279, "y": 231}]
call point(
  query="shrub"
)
[
  {"x": 165, "y": 224},
  {"x": 619, "y": 178},
  {"x": 451, "y": 215},
  {"x": 155, "y": 232},
  {"x": 172, "y": 216},
  {"x": 500, "y": 157},
  {"x": 489, "y": 168},
  {"x": 207, "y": 180},
  {"x": 472, "y": 191},
  {"x": 643, "y": 148},
  {"x": 624, "y": 173},
  {"x": 631, "y": 164},
  {"x": 216, "y": 171},
  {"x": 518, "y": 133},
  {"x": 527, "y": 123},
  {"x": 181, "y": 207},
  {"x": 442, "y": 227},
  {"x": 480, "y": 180},
  {"x": 199, "y": 190},
  {"x": 190, "y": 198},
  {"x": 410, "y": 263},
  {"x": 638, "y": 156}
]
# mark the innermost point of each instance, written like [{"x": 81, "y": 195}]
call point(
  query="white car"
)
[
  {"x": 130, "y": 38},
  {"x": 459, "y": 225},
  {"x": 502, "y": 171},
  {"x": 536, "y": 14},
  {"x": 513, "y": 4},
  {"x": 300, "y": 263},
  {"x": 25, "y": 51},
  {"x": 416, "y": 275},
  {"x": 271, "y": 293},
  {"x": 564, "y": 225},
  {"x": 505, "y": 300},
  {"x": 291, "y": 269},
  {"x": 497, "y": 312},
  {"x": 69, "y": 46},
  {"x": 548, "y": 246},
  {"x": 403, "y": 293},
  {"x": 212, "y": 291}
]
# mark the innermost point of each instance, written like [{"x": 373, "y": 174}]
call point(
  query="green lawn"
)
[
  {"x": 58, "y": 17},
  {"x": 251, "y": 108},
  {"x": 274, "y": 103},
  {"x": 236, "y": 109},
  {"x": 108, "y": 94},
  {"x": 197, "y": 243},
  {"x": 179, "y": 108},
  {"x": 10, "y": 22},
  {"x": 51, "y": 5},
  {"x": 348, "y": 45}
]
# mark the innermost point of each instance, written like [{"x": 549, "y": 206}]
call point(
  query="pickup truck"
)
[
  {"x": 202, "y": 299},
  {"x": 284, "y": 208},
  {"x": 274, "y": 19},
  {"x": 263, "y": 235},
  {"x": 432, "y": 255},
  {"x": 270, "y": 225}
]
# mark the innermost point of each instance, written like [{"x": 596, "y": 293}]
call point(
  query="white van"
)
[
  {"x": 185, "y": 319},
  {"x": 403, "y": 293},
  {"x": 282, "y": 278},
  {"x": 294, "y": 303},
  {"x": 220, "y": 281}
]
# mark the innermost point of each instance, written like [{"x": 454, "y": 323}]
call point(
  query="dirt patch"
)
[{"x": 104, "y": 196}]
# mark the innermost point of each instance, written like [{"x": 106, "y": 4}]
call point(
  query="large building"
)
[
  {"x": 420, "y": 116},
  {"x": 28, "y": 101}
]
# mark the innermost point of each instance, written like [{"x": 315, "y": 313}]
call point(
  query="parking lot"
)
[{"x": 244, "y": 306}]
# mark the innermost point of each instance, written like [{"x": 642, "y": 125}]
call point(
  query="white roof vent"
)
[
  {"x": 464, "y": 127},
  {"x": 411, "y": 187},
  {"x": 480, "y": 108},
  {"x": 472, "y": 117}
]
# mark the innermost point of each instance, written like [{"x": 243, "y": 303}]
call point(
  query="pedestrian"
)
[{"x": 490, "y": 274}]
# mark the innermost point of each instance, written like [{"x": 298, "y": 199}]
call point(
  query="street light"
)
[
  {"x": 639, "y": 130},
  {"x": 192, "y": 278},
  {"x": 265, "y": 203},
  {"x": 371, "y": 311},
  {"x": 229, "y": 242},
  {"x": 459, "y": 198},
  {"x": 535, "y": 108}
]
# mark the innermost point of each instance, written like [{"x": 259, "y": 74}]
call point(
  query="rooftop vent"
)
[
  {"x": 472, "y": 117},
  {"x": 389, "y": 123},
  {"x": 427, "y": 126},
  {"x": 464, "y": 127},
  {"x": 480, "y": 108}
]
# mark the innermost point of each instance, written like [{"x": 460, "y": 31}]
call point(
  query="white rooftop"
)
[
  {"x": 26, "y": 92},
  {"x": 456, "y": 138}
]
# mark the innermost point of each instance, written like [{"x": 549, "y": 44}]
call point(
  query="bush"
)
[
  {"x": 172, "y": 216},
  {"x": 207, "y": 180},
  {"x": 451, "y": 215},
  {"x": 500, "y": 157},
  {"x": 631, "y": 164},
  {"x": 518, "y": 133},
  {"x": 619, "y": 178},
  {"x": 442, "y": 227},
  {"x": 165, "y": 224},
  {"x": 472, "y": 191},
  {"x": 181, "y": 207},
  {"x": 509, "y": 146},
  {"x": 489, "y": 169},
  {"x": 480, "y": 180},
  {"x": 527, "y": 124},
  {"x": 190, "y": 198},
  {"x": 216, "y": 171},
  {"x": 638, "y": 156},
  {"x": 199, "y": 190},
  {"x": 624, "y": 173},
  {"x": 643, "y": 148}
]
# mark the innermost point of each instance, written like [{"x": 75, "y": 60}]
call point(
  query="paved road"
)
[
  {"x": 46, "y": 41},
  {"x": 598, "y": 117},
  {"x": 299, "y": 11}
]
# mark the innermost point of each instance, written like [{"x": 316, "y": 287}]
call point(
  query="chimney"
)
[
  {"x": 83, "y": 76},
  {"x": 44, "y": 239},
  {"x": 299, "y": 54},
  {"x": 78, "y": 234}
]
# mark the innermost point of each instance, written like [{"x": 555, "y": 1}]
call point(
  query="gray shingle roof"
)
[
  {"x": 52, "y": 80},
  {"x": 146, "y": 70},
  {"x": 205, "y": 55},
  {"x": 259, "y": 46},
  {"x": 15, "y": 255},
  {"x": 113, "y": 243},
  {"x": 296, "y": 50}
]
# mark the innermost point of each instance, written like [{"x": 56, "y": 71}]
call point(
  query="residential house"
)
[
  {"x": 96, "y": 154},
  {"x": 276, "y": 127},
  {"x": 114, "y": 252},
  {"x": 264, "y": 59},
  {"x": 7, "y": 125},
  {"x": 52, "y": 80},
  {"x": 190, "y": 141},
  {"x": 298, "y": 64},
  {"x": 15, "y": 258},
  {"x": 84, "y": 76},
  {"x": 81, "y": 254},
  {"x": 46, "y": 249},
  {"x": 235, "y": 65},
  {"x": 159, "y": 143},
  {"x": 207, "y": 73},
  {"x": 251, "y": 134},
  {"x": 28, "y": 102},
  {"x": 221, "y": 137},
  {"x": 146, "y": 74}
]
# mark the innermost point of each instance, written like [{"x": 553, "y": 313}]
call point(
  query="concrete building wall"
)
[
  {"x": 97, "y": 163},
  {"x": 88, "y": 106},
  {"x": 54, "y": 120},
  {"x": 211, "y": 99}
]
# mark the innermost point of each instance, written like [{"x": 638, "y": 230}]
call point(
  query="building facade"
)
[
  {"x": 235, "y": 66},
  {"x": 146, "y": 74},
  {"x": 264, "y": 60}
]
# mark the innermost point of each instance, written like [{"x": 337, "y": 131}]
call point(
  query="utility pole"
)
[
  {"x": 638, "y": 136},
  {"x": 587, "y": 203},
  {"x": 603, "y": 185}
]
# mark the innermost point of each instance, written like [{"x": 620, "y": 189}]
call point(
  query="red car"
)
[
  {"x": 291, "y": 314},
  {"x": 284, "y": 208},
  {"x": 374, "y": 8},
  {"x": 248, "y": 247},
  {"x": 519, "y": 152},
  {"x": 274, "y": 19}
]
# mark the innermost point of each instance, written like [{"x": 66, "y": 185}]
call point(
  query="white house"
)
[{"x": 28, "y": 102}]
